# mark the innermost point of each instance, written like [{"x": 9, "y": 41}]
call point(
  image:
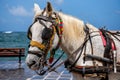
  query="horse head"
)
[{"x": 43, "y": 35}]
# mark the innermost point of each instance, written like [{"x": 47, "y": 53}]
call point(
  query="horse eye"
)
[
  {"x": 29, "y": 34},
  {"x": 46, "y": 34}
]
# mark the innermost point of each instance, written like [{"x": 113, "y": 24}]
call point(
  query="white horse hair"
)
[{"x": 72, "y": 38}]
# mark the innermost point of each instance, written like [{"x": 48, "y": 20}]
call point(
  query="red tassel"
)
[{"x": 51, "y": 60}]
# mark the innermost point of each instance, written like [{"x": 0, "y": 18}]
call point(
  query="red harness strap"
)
[
  {"x": 104, "y": 42},
  {"x": 113, "y": 45},
  {"x": 114, "y": 50},
  {"x": 103, "y": 39}
]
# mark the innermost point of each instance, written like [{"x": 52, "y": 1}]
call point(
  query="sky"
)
[{"x": 17, "y": 15}]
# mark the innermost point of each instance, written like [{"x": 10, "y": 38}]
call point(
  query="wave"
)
[{"x": 8, "y": 32}]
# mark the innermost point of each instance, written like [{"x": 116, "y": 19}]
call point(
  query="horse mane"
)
[{"x": 74, "y": 27}]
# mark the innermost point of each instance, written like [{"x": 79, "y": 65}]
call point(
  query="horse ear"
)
[
  {"x": 36, "y": 8},
  {"x": 49, "y": 8}
]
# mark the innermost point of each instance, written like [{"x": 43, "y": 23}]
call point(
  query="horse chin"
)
[{"x": 36, "y": 66}]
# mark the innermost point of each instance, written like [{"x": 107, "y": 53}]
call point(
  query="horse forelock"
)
[{"x": 38, "y": 13}]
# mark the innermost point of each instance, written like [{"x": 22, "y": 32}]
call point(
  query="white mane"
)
[{"x": 74, "y": 30}]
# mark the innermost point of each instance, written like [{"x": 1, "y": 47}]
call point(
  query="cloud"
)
[
  {"x": 59, "y": 1},
  {"x": 19, "y": 11}
]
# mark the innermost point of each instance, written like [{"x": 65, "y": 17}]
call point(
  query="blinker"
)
[{"x": 47, "y": 33}]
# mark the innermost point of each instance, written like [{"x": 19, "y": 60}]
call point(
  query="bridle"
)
[
  {"x": 56, "y": 28},
  {"x": 46, "y": 45}
]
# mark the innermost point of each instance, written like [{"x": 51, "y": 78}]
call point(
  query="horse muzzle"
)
[
  {"x": 35, "y": 60},
  {"x": 33, "y": 65}
]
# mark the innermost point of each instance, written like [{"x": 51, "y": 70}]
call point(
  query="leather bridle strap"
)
[
  {"x": 37, "y": 53},
  {"x": 49, "y": 19},
  {"x": 51, "y": 67},
  {"x": 37, "y": 44}
]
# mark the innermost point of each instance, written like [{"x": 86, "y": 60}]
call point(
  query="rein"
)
[
  {"x": 70, "y": 65},
  {"x": 96, "y": 69},
  {"x": 51, "y": 67}
]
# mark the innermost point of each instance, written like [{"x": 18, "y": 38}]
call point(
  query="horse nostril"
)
[{"x": 30, "y": 64}]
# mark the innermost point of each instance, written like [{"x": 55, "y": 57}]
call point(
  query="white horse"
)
[{"x": 71, "y": 38}]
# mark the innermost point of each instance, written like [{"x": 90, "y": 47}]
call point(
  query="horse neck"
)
[{"x": 73, "y": 33}]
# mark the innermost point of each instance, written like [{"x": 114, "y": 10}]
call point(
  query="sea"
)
[
  {"x": 11, "y": 39},
  {"x": 9, "y": 65}
]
